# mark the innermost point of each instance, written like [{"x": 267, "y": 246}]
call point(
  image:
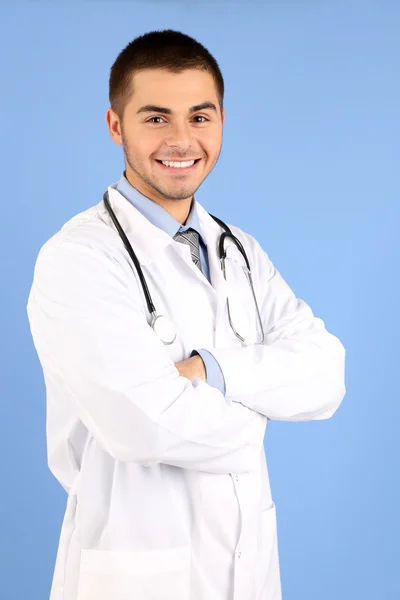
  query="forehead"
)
[{"x": 165, "y": 88}]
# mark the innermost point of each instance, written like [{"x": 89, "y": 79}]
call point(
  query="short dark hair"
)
[{"x": 168, "y": 49}]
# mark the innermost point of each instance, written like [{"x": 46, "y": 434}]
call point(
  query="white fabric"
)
[{"x": 168, "y": 488}]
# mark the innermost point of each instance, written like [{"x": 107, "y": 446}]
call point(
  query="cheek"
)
[
  {"x": 213, "y": 151},
  {"x": 142, "y": 149},
  {"x": 212, "y": 145}
]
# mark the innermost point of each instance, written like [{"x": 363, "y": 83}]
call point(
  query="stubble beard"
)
[{"x": 137, "y": 167}]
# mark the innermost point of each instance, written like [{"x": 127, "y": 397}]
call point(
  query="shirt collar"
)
[{"x": 157, "y": 215}]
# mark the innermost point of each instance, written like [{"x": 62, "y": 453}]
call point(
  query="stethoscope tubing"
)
[
  {"x": 227, "y": 234},
  {"x": 132, "y": 254},
  {"x": 128, "y": 246}
]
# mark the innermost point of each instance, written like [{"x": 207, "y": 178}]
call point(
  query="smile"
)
[{"x": 174, "y": 166}]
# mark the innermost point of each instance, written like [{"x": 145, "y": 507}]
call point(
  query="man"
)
[{"x": 160, "y": 446}]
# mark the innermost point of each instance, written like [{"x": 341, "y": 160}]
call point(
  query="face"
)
[{"x": 171, "y": 132}]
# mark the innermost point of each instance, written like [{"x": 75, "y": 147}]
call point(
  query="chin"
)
[
  {"x": 178, "y": 193},
  {"x": 182, "y": 196}
]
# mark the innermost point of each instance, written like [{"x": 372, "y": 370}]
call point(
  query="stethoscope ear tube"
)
[
  {"x": 229, "y": 235},
  {"x": 221, "y": 248},
  {"x": 129, "y": 248}
]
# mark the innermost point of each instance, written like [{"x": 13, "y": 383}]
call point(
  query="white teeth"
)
[{"x": 178, "y": 165}]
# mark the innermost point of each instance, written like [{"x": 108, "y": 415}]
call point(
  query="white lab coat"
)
[{"x": 168, "y": 489}]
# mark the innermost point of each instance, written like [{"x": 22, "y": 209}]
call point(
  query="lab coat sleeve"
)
[
  {"x": 89, "y": 328},
  {"x": 298, "y": 374}
]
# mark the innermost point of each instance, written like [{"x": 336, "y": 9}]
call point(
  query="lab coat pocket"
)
[
  {"x": 268, "y": 576},
  {"x": 153, "y": 575}
]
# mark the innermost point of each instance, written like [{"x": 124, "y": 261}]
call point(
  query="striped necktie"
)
[{"x": 191, "y": 238}]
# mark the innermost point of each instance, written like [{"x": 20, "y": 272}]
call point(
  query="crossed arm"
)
[
  {"x": 86, "y": 324},
  {"x": 298, "y": 373}
]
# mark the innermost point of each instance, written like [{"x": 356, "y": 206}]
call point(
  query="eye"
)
[
  {"x": 152, "y": 120},
  {"x": 201, "y": 117}
]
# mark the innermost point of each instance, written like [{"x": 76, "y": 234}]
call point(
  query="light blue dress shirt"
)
[{"x": 159, "y": 217}]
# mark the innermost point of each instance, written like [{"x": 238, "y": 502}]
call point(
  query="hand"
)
[{"x": 192, "y": 367}]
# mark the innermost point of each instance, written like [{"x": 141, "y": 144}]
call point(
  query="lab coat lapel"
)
[
  {"x": 212, "y": 232},
  {"x": 147, "y": 240}
]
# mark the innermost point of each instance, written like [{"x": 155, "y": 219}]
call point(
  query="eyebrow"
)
[{"x": 167, "y": 111}]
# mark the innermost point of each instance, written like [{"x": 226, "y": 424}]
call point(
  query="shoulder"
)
[
  {"x": 83, "y": 241},
  {"x": 86, "y": 230}
]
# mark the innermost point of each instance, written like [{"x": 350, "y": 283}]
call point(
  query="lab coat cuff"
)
[{"x": 214, "y": 374}]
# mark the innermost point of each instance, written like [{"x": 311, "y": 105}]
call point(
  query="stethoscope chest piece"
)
[{"x": 164, "y": 328}]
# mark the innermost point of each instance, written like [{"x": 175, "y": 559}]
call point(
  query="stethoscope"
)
[{"x": 162, "y": 325}]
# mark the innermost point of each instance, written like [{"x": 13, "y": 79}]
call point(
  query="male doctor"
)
[{"x": 160, "y": 446}]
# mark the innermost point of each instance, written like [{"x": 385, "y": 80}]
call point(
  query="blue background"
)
[{"x": 310, "y": 167}]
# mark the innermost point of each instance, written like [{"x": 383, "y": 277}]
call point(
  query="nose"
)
[{"x": 179, "y": 136}]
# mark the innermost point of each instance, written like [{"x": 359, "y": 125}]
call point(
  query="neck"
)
[{"x": 178, "y": 209}]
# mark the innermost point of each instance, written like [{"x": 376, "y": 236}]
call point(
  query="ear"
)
[{"x": 114, "y": 126}]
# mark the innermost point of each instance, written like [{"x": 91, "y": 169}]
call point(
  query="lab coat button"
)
[
  {"x": 237, "y": 477},
  {"x": 239, "y": 554}
]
